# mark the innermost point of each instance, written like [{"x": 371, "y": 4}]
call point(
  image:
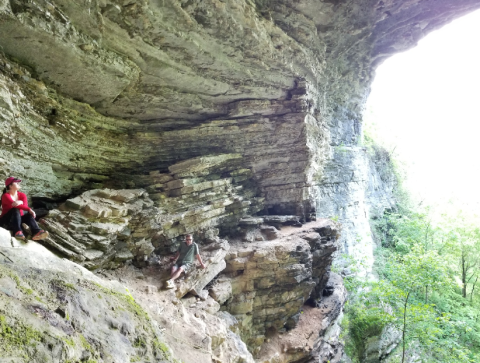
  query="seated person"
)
[
  {"x": 14, "y": 211},
  {"x": 184, "y": 260}
]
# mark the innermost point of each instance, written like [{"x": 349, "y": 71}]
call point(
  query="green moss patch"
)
[{"x": 14, "y": 334}]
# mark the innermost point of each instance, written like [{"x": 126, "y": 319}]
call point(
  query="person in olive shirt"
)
[{"x": 184, "y": 260}]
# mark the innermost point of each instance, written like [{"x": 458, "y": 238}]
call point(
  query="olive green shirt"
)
[{"x": 187, "y": 253}]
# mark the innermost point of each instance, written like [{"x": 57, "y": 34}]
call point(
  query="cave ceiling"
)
[{"x": 97, "y": 92}]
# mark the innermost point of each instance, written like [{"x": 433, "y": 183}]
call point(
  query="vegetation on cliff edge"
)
[{"x": 424, "y": 301}]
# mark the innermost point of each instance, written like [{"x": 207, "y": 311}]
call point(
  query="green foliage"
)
[
  {"x": 69, "y": 342},
  {"x": 428, "y": 266},
  {"x": 420, "y": 274},
  {"x": 362, "y": 321},
  {"x": 63, "y": 284},
  {"x": 159, "y": 346},
  {"x": 394, "y": 301},
  {"x": 127, "y": 299},
  {"x": 7, "y": 272},
  {"x": 85, "y": 344},
  {"x": 140, "y": 342}
]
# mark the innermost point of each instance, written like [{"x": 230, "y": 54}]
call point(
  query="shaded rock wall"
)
[
  {"x": 315, "y": 338},
  {"x": 106, "y": 227},
  {"x": 112, "y": 93},
  {"x": 266, "y": 282},
  {"x": 278, "y": 82}
]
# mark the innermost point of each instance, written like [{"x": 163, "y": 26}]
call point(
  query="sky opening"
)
[{"x": 425, "y": 106}]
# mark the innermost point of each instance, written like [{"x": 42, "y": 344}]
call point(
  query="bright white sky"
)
[{"x": 425, "y": 103}]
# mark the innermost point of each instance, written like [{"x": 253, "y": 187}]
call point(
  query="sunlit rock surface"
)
[
  {"x": 364, "y": 190},
  {"x": 53, "y": 310}
]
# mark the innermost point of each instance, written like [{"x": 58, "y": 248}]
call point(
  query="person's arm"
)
[
  {"x": 23, "y": 198},
  {"x": 174, "y": 258},
  {"x": 199, "y": 258},
  {"x": 8, "y": 200}
]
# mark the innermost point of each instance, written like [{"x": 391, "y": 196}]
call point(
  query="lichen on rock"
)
[{"x": 64, "y": 313}]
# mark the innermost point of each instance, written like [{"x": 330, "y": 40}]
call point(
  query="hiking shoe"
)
[
  {"x": 26, "y": 229},
  {"x": 19, "y": 235},
  {"x": 40, "y": 235},
  {"x": 170, "y": 284}
]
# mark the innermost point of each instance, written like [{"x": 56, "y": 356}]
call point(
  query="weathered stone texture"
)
[
  {"x": 281, "y": 83},
  {"x": 63, "y": 312},
  {"x": 362, "y": 191},
  {"x": 265, "y": 283},
  {"x": 218, "y": 109},
  {"x": 315, "y": 336},
  {"x": 106, "y": 227}
]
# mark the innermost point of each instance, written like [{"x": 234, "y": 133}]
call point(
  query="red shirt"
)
[{"x": 7, "y": 202}]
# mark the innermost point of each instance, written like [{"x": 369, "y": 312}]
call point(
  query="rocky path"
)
[{"x": 194, "y": 326}]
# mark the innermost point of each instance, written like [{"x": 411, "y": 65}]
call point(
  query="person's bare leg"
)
[
  {"x": 173, "y": 270},
  {"x": 175, "y": 275}
]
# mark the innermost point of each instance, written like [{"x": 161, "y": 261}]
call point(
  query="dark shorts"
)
[{"x": 186, "y": 266}]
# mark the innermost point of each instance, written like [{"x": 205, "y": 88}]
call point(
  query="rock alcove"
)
[{"x": 134, "y": 122}]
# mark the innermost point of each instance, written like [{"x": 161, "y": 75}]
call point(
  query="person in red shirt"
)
[{"x": 14, "y": 211}]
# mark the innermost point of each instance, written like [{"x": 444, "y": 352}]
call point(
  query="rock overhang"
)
[{"x": 278, "y": 82}]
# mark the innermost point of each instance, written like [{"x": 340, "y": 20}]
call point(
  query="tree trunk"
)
[
  {"x": 473, "y": 289},
  {"x": 404, "y": 325},
  {"x": 464, "y": 276}
]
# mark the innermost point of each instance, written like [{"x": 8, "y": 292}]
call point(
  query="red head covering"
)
[{"x": 11, "y": 180}]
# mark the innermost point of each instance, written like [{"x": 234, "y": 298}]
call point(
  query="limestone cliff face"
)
[
  {"x": 110, "y": 89},
  {"x": 135, "y": 122},
  {"x": 114, "y": 93}
]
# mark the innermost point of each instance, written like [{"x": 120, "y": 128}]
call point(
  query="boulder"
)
[{"x": 64, "y": 312}]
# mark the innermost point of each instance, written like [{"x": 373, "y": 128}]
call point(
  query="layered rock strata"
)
[
  {"x": 264, "y": 96},
  {"x": 266, "y": 282},
  {"x": 102, "y": 93},
  {"x": 316, "y": 335},
  {"x": 106, "y": 227},
  {"x": 278, "y": 82}
]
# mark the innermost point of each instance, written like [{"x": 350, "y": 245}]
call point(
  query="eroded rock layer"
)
[
  {"x": 278, "y": 82},
  {"x": 266, "y": 282}
]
